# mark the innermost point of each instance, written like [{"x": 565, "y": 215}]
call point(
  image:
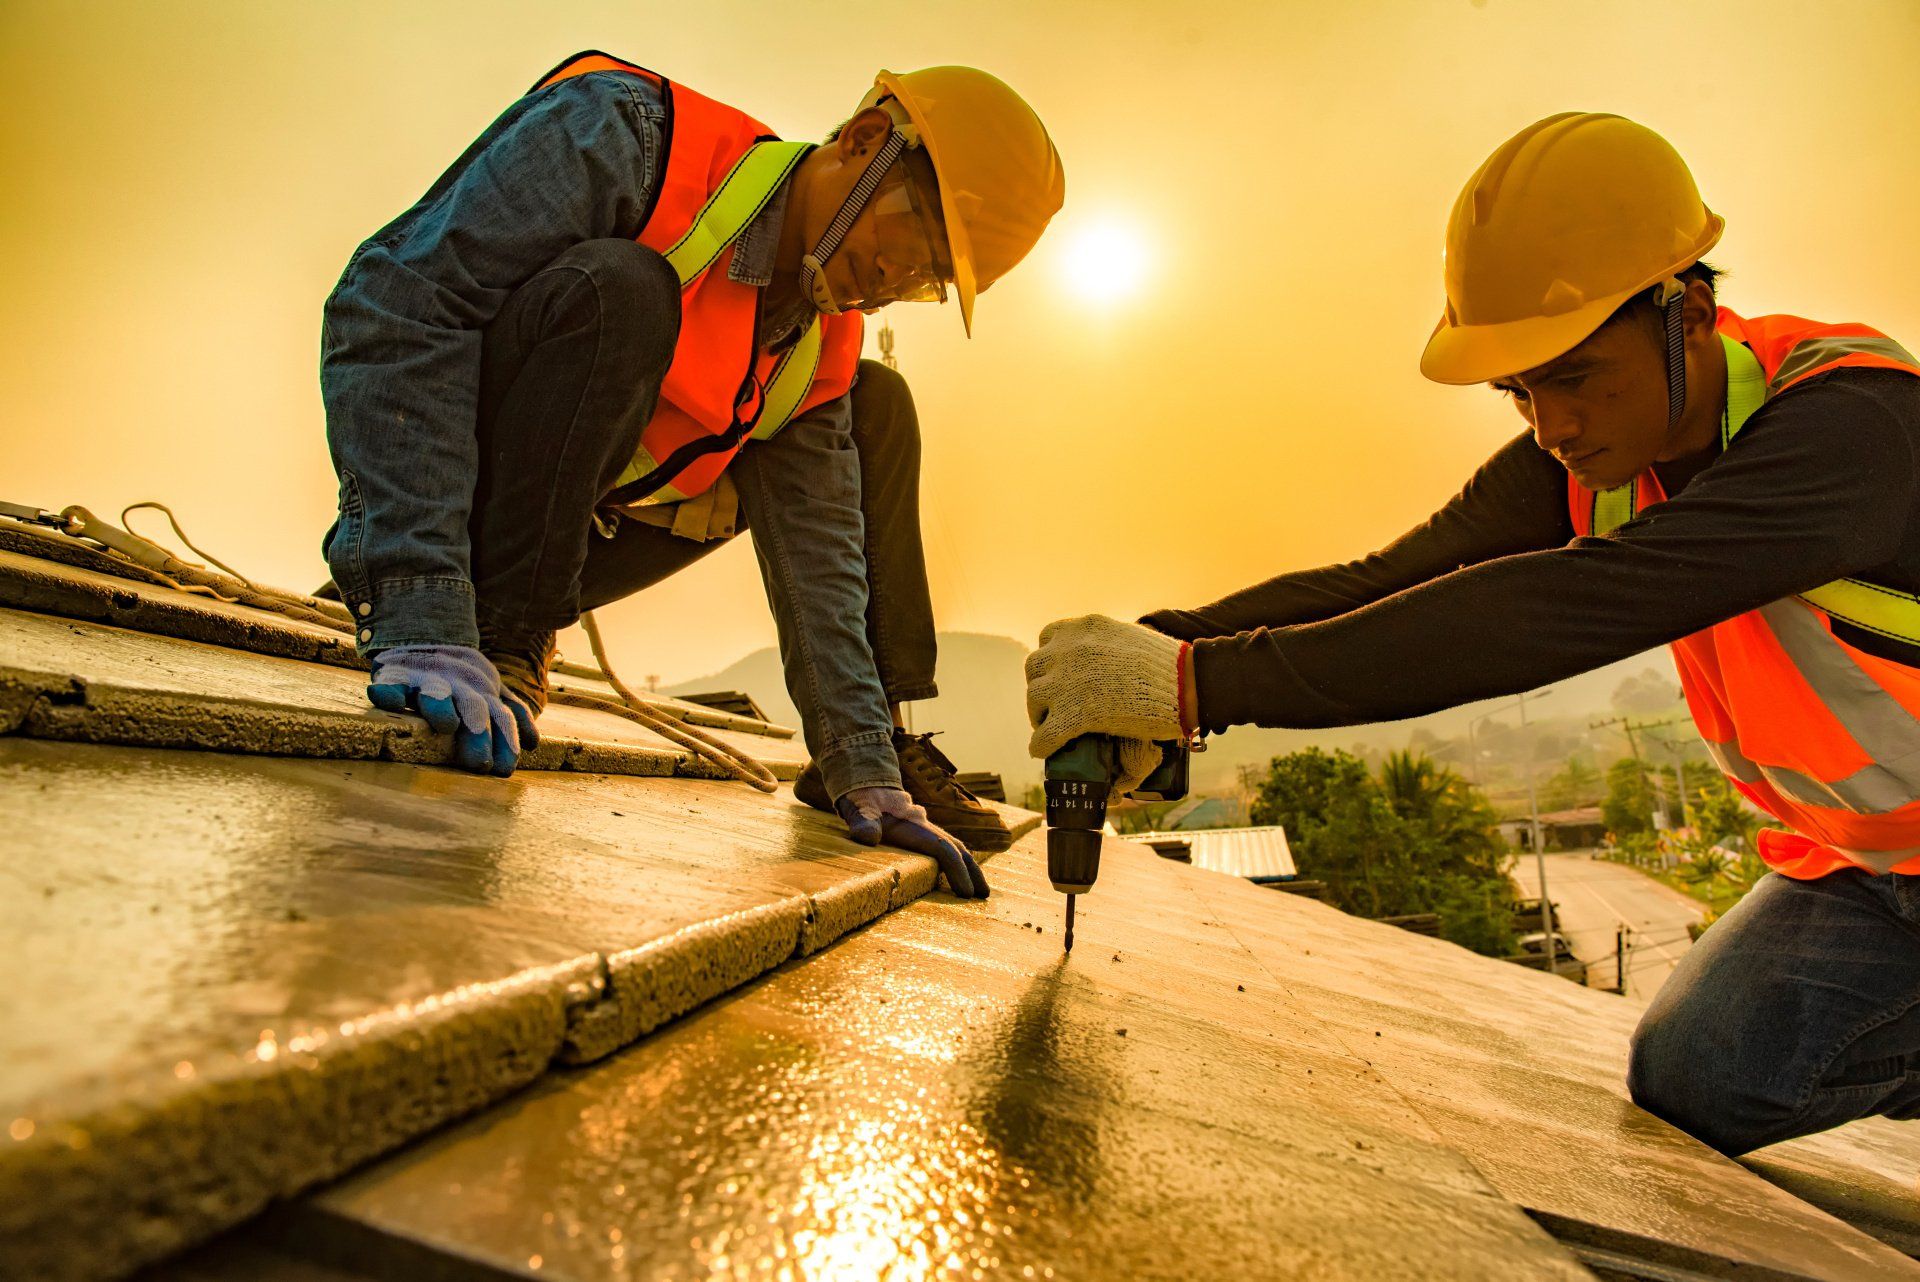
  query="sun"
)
[{"x": 1106, "y": 261}]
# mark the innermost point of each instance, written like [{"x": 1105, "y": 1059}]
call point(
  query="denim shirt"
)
[
  {"x": 400, "y": 375},
  {"x": 401, "y": 336}
]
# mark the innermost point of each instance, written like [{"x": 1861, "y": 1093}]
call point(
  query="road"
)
[{"x": 1594, "y": 897}]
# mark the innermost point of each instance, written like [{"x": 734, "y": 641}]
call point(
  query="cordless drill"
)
[{"x": 1078, "y": 779}]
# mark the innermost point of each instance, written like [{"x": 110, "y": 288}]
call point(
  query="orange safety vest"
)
[
  {"x": 720, "y": 389},
  {"x": 1816, "y": 732}
]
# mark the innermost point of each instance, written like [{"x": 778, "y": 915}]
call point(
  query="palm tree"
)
[
  {"x": 1413, "y": 783},
  {"x": 1709, "y": 866}
]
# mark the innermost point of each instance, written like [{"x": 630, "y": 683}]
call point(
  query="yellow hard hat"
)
[
  {"x": 1570, "y": 218},
  {"x": 1000, "y": 178}
]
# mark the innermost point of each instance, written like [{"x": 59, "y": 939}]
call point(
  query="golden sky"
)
[{"x": 184, "y": 181}]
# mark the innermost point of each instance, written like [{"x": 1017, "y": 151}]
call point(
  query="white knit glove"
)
[{"x": 1096, "y": 675}]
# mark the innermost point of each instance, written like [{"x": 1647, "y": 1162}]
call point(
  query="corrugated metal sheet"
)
[{"x": 1238, "y": 852}]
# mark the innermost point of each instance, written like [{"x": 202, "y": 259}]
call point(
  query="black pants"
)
[{"x": 570, "y": 373}]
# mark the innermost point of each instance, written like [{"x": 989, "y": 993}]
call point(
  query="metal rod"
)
[{"x": 1070, "y": 899}]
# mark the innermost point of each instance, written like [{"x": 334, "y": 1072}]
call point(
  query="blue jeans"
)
[
  {"x": 1797, "y": 1011},
  {"x": 570, "y": 373}
]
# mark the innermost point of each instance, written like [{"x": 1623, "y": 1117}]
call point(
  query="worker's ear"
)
[
  {"x": 1699, "y": 313},
  {"x": 865, "y": 132}
]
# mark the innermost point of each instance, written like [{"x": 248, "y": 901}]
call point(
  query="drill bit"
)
[{"x": 1070, "y": 899}]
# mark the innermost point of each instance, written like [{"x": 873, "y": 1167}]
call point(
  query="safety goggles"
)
[{"x": 909, "y": 263}]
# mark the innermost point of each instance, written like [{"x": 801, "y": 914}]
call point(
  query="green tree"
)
[
  {"x": 1416, "y": 839},
  {"x": 1721, "y": 816},
  {"x": 1413, "y": 784},
  {"x": 1709, "y": 866},
  {"x": 1575, "y": 784},
  {"x": 1628, "y": 807},
  {"x": 1647, "y": 692},
  {"x": 1304, "y": 784}
]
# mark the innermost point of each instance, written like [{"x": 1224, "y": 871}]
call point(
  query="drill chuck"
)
[
  {"x": 1079, "y": 777},
  {"x": 1073, "y": 859}
]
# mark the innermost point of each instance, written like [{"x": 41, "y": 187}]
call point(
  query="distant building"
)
[
  {"x": 1206, "y": 813},
  {"x": 985, "y": 784},
  {"x": 1257, "y": 854},
  {"x": 738, "y": 702},
  {"x": 1575, "y": 829}
]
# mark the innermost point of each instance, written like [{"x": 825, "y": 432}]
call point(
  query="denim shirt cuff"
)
[
  {"x": 863, "y": 760},
  {"x": 418, "y": 611}
]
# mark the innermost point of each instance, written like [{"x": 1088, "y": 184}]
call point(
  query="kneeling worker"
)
[
  {"x": 623, "y": 326},
  {"x": 1744, "y": 489}
]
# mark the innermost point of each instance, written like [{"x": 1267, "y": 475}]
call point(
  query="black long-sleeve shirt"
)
[{"x": 1494, "y": 595}]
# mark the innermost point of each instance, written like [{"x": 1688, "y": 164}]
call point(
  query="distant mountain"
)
[{"x": 982, "y": 713}]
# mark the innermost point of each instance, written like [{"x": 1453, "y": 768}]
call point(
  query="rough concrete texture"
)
[
  {"x": 78, "y": 592},
  {"x": 91, "y": 586},
  {"x": 238, "y": 975},
  {"x": 1220, "y": 1081},
  {"x": 64, "y": 678}
]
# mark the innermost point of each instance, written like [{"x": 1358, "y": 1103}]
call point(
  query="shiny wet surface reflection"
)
[
  {"x": 193, "y": 912},
  {"x": 942, "y": 1095}
]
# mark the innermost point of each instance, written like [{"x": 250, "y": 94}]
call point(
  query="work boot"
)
[
  {"x": 928, "y": 777},
  {"x": 522, "y": 665}
]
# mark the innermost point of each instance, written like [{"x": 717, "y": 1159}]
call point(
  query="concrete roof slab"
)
[
  {"x": 319, "y": 959},
  {"x": 778, "y": 1125},
  {"x": 73, "y": 680}
]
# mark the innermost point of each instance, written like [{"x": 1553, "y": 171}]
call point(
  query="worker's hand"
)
[
  {"x": 1137, "y": 759},
  {"x": 1096, "y": 675},
  {"x": 525, "y": 718},
  {"x": 874, "y": 815},
  {"x": 457, "y": 691}
]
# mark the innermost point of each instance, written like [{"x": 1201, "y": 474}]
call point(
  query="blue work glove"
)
[
  {"x": 874, "y": 815},
  {"x": 456, "y": 689}
]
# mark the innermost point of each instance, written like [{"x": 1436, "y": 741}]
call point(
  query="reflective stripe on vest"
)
[
  {"x": 719, "y": 168},
  {"x": 788, "y": 387},
  {"x": 1817, "y": 732},
  {"x": 745, "y": 191},
  {"x": 1871, "y": 607}
]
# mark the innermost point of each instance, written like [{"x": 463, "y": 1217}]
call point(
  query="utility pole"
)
[
  {"x": 1679, "y": 761},
  {"x": 1539, "y": 846},
  {"x": 1621, "y": 937},
  {"x": 1679, "y": 768},
  {"x": 1626, "y": 723},
  {"x": 1533, "y": 819}
]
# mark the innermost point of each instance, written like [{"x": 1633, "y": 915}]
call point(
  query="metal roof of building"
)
[{"x": 1254, "y": 853}]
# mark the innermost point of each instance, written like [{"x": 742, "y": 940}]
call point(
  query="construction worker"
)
[
  {"x": 627, "y": 323},
  {"x": 1744, "y": 489}
]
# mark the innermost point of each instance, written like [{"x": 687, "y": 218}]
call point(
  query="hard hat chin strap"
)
[
  {"x": 813, "y": 280},
  {"x": 1671, "y": 297}
]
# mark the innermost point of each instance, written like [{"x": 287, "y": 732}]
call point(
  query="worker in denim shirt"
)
[{"x": 498, "y": 361}]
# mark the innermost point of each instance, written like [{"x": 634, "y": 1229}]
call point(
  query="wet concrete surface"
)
[
  {"x": 946, "y": 1095},
  {"x": 1524, "y": 1075},
  {"x": 236, "y": 975},
  {"x": 70, "y": 679},
  {"x": 1219, "y": 1080},
  {"x": 1867, "y": 1173}
]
